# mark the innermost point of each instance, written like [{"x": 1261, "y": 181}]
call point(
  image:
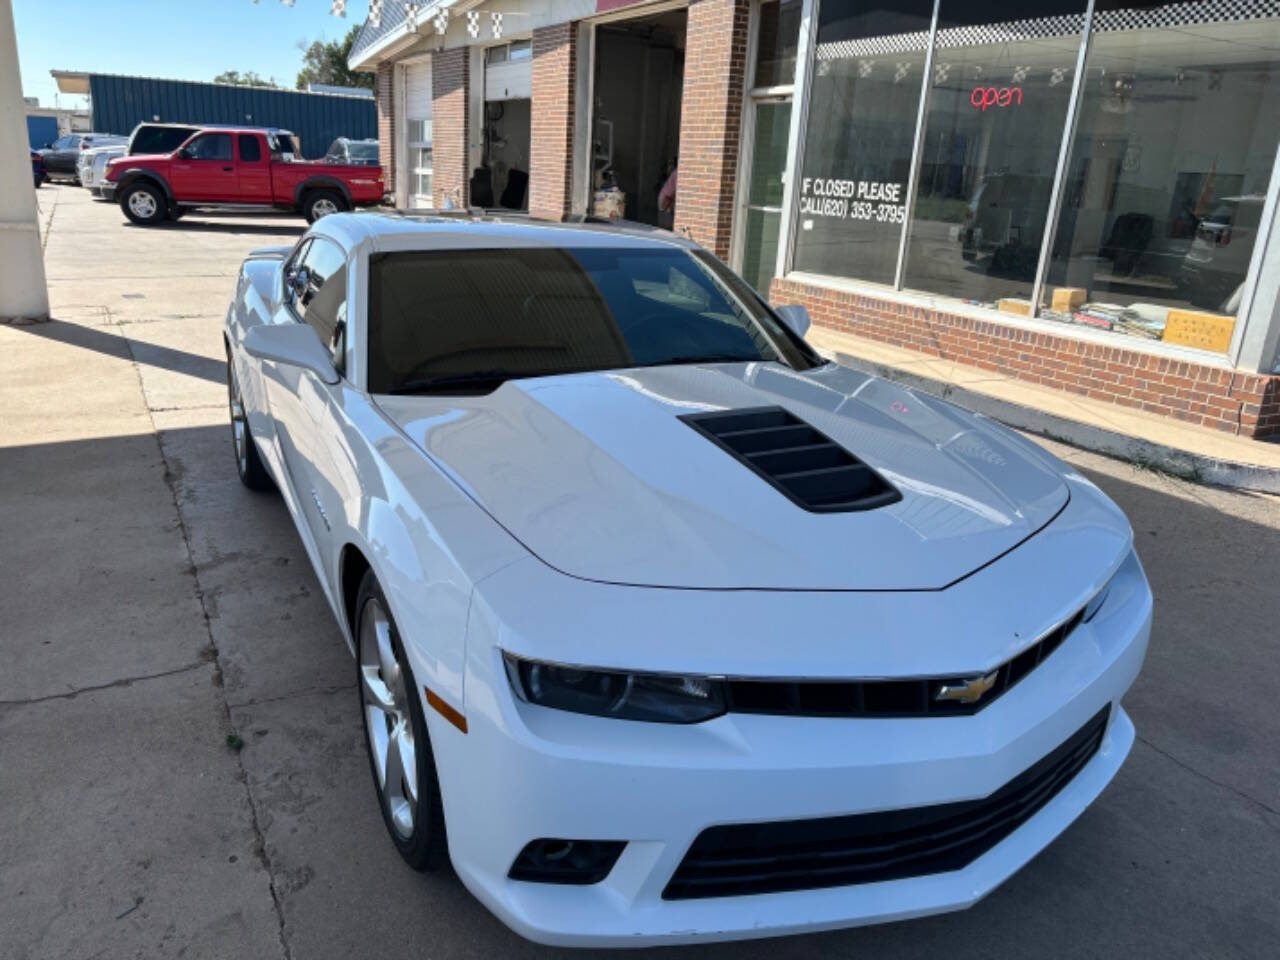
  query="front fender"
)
[{"x": 135, "y": 174}]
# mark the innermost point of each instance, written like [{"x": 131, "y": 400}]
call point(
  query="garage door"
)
[
  {"x": 417, "y": 109},
  {"x": 508, "y": 71}
]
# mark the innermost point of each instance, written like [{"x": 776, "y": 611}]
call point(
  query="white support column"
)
[{"x": 23, "y": 294}]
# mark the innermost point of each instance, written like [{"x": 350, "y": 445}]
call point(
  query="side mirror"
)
[
  {"x": 185, "y": 153},
  {"x": 293, "y": 344},
  {"x": 795, "y": 316}
]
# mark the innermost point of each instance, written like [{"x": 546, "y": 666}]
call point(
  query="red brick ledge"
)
[{"x": 1247, "y": 404}]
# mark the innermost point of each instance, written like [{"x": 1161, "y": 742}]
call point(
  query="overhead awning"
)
[{"x": 71, "y": 81}]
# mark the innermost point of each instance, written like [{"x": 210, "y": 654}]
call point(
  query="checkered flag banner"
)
[
  {"x": 375, "y": 13},
  {"x": 495, "y": 23},
  {"x": 338, "y": 8},
  {"x": 473, "y": 23},
  {"x": 1185, "y": 14},
  {"x": 1040, "y": 28},
  {"x": 442, "y": 21},
  {"x": 411, "y": 16}
]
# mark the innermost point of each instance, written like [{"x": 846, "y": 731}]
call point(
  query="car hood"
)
[{"x": 595, "y": 474}]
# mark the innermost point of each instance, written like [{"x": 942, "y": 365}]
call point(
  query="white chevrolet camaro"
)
[{"x": 667, "y": 629}]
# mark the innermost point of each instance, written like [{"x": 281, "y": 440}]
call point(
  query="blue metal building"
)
[
  {"x": 41, "y": 130},
  {"x": 120, "y": 103}
]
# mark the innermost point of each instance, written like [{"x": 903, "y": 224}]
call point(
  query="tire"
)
[
  {"x": 144, "y": 204},
  {"x": 321, "y": 203},
  {"x": 390, "y": 709},
  {"x": 253, "y": 473}
]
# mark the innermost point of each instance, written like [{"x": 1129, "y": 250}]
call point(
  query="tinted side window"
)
[
  {"x": 212, "y": 146},
  {"x": 250, "y": 151},
  {"x": 323, "y": 304}
]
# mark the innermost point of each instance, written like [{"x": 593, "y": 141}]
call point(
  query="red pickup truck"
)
[{"x": 237, "y": 168}]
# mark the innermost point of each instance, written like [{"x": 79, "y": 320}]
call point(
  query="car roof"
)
[{"x": 426, "y": 230}]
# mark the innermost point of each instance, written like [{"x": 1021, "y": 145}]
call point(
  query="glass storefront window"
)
[
  {"x": 865, "y": 95},
  {"x": 764, "y": 192},
  {"x": 1168, "y": 173},
  {"x": 1161, "y": 199},
  {"x": 997, "y": 105},
  {"x": 776, "y": 43}
]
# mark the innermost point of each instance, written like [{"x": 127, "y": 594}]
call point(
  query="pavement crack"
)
[
  {"x": 255, "y": 820},
  {"x": 94, "y": 688},
  {"x": 315, "y": 692},
  {"x": 1204, "y": 776}
]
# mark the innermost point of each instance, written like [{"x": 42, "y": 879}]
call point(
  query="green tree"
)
[
  {"x": 246, "y": 79},
  {"x": 327, "y": 63}
]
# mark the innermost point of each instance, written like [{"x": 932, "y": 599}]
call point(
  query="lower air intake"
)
[{"x": 737, "y": 859}]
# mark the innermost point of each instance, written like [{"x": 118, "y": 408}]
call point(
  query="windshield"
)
[
  {"x": 362, "y": 151},
  {"x": 445, "y": 320}
]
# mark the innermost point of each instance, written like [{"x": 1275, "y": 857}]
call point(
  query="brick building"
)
[{"x": 1083, "y": 195}]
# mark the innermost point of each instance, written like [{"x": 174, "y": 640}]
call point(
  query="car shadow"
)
[{"x": 190, "y": 225}]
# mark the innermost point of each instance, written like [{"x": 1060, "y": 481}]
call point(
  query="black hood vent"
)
[{"x": 806, "y": 465}]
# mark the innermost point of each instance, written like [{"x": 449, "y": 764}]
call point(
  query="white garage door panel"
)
[
  {"x": 508, "y": 81},
  {"x": 417, "y": 91}
]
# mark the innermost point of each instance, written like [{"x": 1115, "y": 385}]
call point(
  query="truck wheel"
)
[
  {"x": 143, "y": 204},
  {"x": 321, "y": 203}
]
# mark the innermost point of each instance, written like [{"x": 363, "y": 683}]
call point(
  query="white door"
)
[{"x": 417, "y": 111}]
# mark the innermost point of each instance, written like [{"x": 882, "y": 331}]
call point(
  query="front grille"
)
[
  {"x": 799, "y": 461},
  {"x": 885, "y": 698},
  {"x": 738, "y": 859}
]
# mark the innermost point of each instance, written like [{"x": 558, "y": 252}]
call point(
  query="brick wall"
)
[
  {"x": 384, "y": 92},
  {"x": 450, "y": 121},
  {"x": 715, "y": 70},
  {"x": 1229, "y": 400},
  {"x": 555, "y": 54}
]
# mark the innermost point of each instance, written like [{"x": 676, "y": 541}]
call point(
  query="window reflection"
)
[
  {"x": 861, "y": 130},
  {"x": 1169, "y": 171},
  {"x": 997, "y": 105}
]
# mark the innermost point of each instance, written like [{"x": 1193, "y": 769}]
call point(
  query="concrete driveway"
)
[{"x": 151, "y": 609}]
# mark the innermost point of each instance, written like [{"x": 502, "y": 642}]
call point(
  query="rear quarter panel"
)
[{"x": 364, "y": 184}]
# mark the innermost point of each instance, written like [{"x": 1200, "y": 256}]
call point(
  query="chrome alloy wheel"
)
[
  {"x": 323, "y": 207},
  {"x": 142, "y": 204},
  {"x": 239, "y": 432},
  {"x": 390, "y": 728}
]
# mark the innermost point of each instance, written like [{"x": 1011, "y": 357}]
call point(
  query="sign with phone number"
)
[{"x": 867, "y": 200}]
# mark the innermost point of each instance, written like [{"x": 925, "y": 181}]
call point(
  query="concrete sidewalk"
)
[
  {"x": 151, "y": 607},
  {"x": 1192, "y": 452}
]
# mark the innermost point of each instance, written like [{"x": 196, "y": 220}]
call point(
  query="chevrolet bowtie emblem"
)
[{"x": 967, "y": 691}]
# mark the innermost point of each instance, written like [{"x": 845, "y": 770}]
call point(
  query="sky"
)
[{"x": 178, "y": 39}]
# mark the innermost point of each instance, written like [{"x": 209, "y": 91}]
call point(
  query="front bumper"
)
[
  {"x": 107, "y": 190},
  {"x": 524, "y": 772}
]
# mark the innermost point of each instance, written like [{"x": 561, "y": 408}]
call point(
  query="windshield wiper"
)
[
  {"x": 475, "y": 379},
  {"x": 706, "y": 358}
]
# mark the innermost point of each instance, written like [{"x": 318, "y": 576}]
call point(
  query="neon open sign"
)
[{"x": 985, "y": 97}]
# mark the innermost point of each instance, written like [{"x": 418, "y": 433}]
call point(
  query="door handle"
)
[{"x": 228, "y": 169}]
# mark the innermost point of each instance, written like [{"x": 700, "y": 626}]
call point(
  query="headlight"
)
[{"x": 658, "y": 698}]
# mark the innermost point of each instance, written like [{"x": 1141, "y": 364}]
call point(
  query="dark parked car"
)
[
  {"x": 357, "y": 153},
  {"x": 37, "y": 168},
  {"x": 62, "y": 156}
]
